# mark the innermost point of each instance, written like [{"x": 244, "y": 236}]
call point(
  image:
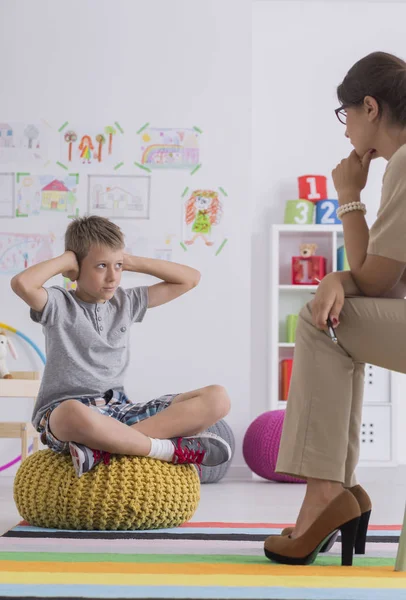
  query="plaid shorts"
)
[{"x": 113, "y": 404}]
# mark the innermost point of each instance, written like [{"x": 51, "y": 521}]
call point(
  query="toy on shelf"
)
[
  {"x": 291, "y": 324},
  {"x": 5, "y": 345},
  {"x": 286, "y": 374},
  {"x": 342, "y": 260},
  {"x": 313, "y": 205},
  {"x": 299, "y": 212},
  {"x": 313, "y": 187},
  {"x": 326, "y": 212},
  {"x": 308, "y": 269}
]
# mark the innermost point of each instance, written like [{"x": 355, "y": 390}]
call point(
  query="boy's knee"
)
[
  {"x": 219, "y": 400},
  {"x": 69, "y": 417}
]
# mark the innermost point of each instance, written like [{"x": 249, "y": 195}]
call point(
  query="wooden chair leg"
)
[
  {"x": 24, "y": 442},
  {"x": 401, "y": 555},
  {"x": 35, "y": 443}
]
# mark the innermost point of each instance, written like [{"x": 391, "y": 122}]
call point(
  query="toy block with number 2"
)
[
  {"x": 299, "y": 212},
  {"x": 313, "y": 187},
  {"x": 326, "y": 212}
]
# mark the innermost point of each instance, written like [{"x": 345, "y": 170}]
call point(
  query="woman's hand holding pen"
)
[{"x": 328, "y": 302}]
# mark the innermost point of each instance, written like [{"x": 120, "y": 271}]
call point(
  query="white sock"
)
[{"x": 161, "y": 449}]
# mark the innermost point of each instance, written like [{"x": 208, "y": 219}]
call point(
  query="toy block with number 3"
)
[
  {"x": 313, "y": 187},
  {"x": 326, "y": 212},
  {"x": 299, "y": 212}
]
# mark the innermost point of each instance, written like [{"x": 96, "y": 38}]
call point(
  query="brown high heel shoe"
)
[
  {"x": 343, "y": 514},
  {"x": 365, "y": 505}
]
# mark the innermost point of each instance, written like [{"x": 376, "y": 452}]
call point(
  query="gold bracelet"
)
[{"x": 345, "y": 208}]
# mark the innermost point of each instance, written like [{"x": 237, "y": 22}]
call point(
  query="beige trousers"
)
[{"x": 321, "y": 433}]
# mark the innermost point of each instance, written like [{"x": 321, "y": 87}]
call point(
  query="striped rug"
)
[{"x": 197, "y": 560}]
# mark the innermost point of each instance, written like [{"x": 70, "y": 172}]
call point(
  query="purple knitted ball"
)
[{"x": 261, "y": 446}]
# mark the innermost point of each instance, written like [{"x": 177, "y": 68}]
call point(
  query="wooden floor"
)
[{"x": 261, "y": 501}]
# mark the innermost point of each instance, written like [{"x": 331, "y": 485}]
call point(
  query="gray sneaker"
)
[
  {"x": 84, "y": 458},
  {"x": 206, "y": 449}
]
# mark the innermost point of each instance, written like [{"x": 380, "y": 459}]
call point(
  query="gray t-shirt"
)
[{"x": 87, "y": 345}]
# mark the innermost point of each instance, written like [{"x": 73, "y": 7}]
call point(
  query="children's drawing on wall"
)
[
  {"x": 22, "y": 142},
  {"x": 165, "y": 148},
  {"x": 91, "y": 146},
  {"x": 203, "y": 217},
  {"x": 36, "y": 194},
  {"x": 163, "y": 250},
  {"x": 6, "y": 194},
  {"x": 119, "y": 196},
  {"x": 21, "y": 250},
  {"x": 68, "y": 284}
]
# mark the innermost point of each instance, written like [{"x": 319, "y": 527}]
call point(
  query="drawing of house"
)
[
  {"x": 54, "y": 196},
  {"x": 6, "y": 135},
  {"x": 116, "y": 198}
]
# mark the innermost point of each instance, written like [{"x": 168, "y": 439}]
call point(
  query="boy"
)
[{"x": 82, "y": 407}]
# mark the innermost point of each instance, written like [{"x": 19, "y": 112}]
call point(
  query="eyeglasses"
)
[{"x": 341, "y": 113}]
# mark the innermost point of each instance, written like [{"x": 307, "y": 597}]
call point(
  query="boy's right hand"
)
[{"x": 72, "y": 266}]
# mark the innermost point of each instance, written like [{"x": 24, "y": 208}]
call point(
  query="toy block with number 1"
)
[
  {"x": 299, "y": 212},
  {"x": 313, "y": 187},
  {"x": 326, "y": 212},
  {"x": 307, "y": 271}
]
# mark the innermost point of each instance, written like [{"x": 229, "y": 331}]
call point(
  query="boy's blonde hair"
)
[{"x": 84, "y": 232}]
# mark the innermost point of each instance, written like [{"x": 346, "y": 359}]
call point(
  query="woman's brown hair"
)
[{"x": 382, "y": 76}]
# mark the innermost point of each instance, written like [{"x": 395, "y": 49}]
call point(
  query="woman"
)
[{"x": 366, "y": 306}]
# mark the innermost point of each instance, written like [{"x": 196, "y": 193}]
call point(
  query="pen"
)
[{"x": 331, "y": 331}]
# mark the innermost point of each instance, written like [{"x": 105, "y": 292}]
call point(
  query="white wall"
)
[
  {"x": 179, "y": 63},
  {"x": 301, "y": 52}
]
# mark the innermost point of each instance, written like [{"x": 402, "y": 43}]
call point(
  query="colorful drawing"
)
[
  {"x": 119, "y": 196},
  {"x": 203, "y": 212},
  {"x": 100, "y": 139},
  {"x": 68, "y": 284},
  {"x": 22, "y": 142},
  {"x": 70, "y": 137},
  {"x": 6, "y": 194},
  {"x": 169, "y": 148},
  {"x": 84, "y": 145},
  {"x": 21, "y": 250},
  {"x": 110, "y": 131},
  {"x": 85, "y": 148},
  {"x": 37, "y": 193}
]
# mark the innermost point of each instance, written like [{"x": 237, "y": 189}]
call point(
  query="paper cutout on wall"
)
[
  {"x": 37, "y": 194},
  {"x": 203, "y": 218},
  {"x": 22, "y": 142},
  {"x": 176, "y": 148},
  {"x": 163, "y": 254},
  {"x": 21, "y": 250},
  {"x": 6, "y": 194},
  {"x": 119, "y": 196},
  {"x": 81, "y": 147}
]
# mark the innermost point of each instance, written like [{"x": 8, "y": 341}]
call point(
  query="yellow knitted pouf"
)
[{"x": 128, "y": 493}]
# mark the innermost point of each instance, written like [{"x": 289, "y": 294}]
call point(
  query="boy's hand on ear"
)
[{"x": 72, "y": 266}]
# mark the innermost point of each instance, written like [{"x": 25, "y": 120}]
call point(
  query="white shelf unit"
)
[{"x": 377, "y": 443}]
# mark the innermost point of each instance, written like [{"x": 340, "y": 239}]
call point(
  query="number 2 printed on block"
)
[{"x": 326, "y": 212}]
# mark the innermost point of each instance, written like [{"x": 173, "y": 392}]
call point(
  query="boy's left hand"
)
[{"x": 351, "y": 174}]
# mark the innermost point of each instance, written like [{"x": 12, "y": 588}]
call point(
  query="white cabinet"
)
[{"x": 288, "y": 299}]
